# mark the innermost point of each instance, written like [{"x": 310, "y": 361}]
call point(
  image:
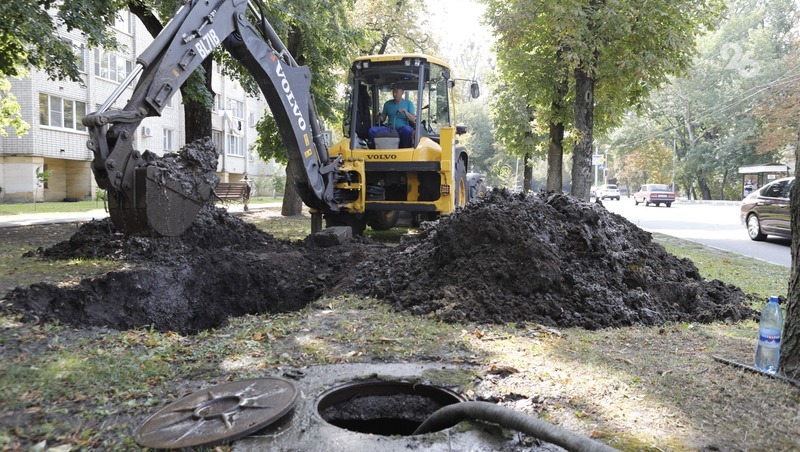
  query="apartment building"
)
[{"x": 56, "y": 142}]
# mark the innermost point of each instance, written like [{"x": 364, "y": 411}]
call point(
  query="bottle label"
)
[{"x": 769, "y": 338}]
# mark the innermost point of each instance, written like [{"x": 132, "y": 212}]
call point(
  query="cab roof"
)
[{"x": 401, "y": 56}]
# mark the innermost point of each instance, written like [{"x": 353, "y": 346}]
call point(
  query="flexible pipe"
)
[{"x": 451, "y": 415}]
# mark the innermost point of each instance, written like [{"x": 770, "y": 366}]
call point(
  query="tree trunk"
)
[
  {"x": 197, "y": 115},
  {"x": 555, "y": 158},
  {"x": 790, "y": 342},
  {"x": 292, "y": 203},
  {"x": 705, "y": 192},
  {"x": 584, "y": 127},
  {"x": 527, "y": 173},
  {"x": 722, "y": 185}
]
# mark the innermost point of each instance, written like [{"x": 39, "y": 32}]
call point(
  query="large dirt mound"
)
[{"x": 546, "y": 258}]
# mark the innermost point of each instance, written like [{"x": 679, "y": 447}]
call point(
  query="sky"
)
[
  {"x": 458, "y": 19},
  {"x": 458, "y": 22}
]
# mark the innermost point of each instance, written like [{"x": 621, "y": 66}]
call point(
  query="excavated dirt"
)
[
  {"x": 220, "y": 267},
  {"x": 545, "y": 258},
  {"x": 548, "y": 259}
]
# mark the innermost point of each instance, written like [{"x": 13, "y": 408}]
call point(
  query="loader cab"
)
[{"x": 425, "y": 81}]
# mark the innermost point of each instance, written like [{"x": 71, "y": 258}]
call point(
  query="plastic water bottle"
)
[{"x": 768, "y": 352}]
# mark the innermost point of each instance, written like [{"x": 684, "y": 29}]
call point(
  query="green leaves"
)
[
  {"x": 29, "y": 34},
  {"x": 10, "y": 111}
]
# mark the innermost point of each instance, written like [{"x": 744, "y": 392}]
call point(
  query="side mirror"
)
[
  {"x": 461, "y": 130},
  {"x": 475, "y": 90}
]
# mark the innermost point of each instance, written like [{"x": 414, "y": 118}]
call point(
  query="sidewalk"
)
[{"x": 10, "y": 221}]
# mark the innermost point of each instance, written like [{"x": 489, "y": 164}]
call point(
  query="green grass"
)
[
  {"x": 84, "y": 206},
  {"x": 753, "y": 276},
  {"x": 49, "y": 207}
]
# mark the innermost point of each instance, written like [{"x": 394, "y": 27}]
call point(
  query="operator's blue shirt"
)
[{"x": 397, "y": 121}]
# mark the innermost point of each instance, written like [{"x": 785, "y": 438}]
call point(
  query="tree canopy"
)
[
  {"x": 29, "y": 38},
  {"x": 624, "y": 49},
  {"x": 719, "y": 110}
]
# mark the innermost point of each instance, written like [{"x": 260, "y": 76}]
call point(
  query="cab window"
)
[{"x": 437, "y": 102}]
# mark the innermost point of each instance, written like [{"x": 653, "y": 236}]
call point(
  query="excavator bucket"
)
[{"x": 157, "y": 204}]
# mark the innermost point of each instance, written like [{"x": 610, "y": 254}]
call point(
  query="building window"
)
[
  {"x": 217, "y": 138},
  {"x": 56, "y": 111},
  {"x": 168, "y": 136},
  {"x": 251, "y": 119},
  {"x": 237, "y": 108},
  {"x": 110, "y": 66},
  {"x": 80, "y": 55},
  {"x": 235, "y": 145},
  {"x": 217, "y": 102},
  {"x": 123, "y": 22}
]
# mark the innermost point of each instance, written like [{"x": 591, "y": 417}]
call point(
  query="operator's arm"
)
[
  {"x": 408, "y": 113},
  {"x": 383, "y": 115}
]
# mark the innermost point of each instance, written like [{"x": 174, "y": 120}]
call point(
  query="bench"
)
[{"x": 231, "y": 191}]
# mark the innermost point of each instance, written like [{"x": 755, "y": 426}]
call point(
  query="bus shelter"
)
[{"x": 756, "y": 176}]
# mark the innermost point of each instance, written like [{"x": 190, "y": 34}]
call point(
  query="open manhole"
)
[{"x": 383, "y": 407}]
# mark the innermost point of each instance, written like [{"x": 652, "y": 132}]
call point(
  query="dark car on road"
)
[
  {"x": 766, "y": 210},
  {"x": 654, "y": 194}
]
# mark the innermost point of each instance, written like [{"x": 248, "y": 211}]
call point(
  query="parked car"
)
[
  {"x": 608, "y": 191},
  {"x": 766, "y": 210},
  {"x": 654, "y": 194}
]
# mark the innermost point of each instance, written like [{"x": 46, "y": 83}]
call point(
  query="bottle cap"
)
[{"x": 773, "y": 298}]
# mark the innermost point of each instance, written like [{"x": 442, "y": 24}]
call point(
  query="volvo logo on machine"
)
[
  {"x": 381, "y": 156},
  {"x": 287, "y": 90}
]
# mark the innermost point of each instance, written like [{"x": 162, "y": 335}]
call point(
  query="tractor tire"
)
[
  {"x": 460, "y": 180},
  {"x": 382, "y": 220}
]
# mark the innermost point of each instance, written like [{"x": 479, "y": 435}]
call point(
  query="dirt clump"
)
[
  {"x": 549, "y": 259},
  {"x": 193, "y": 167},
  {"x": 545, "y": 258}
]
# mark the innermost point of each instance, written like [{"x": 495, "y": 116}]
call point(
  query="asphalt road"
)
[{"x": 713, "y": 224}]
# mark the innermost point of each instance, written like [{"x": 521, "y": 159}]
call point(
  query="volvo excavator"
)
[{"x": 354, "y": 182}]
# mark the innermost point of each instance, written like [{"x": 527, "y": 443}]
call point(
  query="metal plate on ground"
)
[{"x": 219, "y": 414}]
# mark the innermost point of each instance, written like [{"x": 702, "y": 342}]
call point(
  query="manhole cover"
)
[{"x": 219, "y": 414}]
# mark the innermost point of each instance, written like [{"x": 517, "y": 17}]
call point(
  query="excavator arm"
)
[{"x": 144, "y": 198}]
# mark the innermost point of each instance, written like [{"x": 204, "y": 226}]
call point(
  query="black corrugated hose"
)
[{"x": 451, "y": 415}]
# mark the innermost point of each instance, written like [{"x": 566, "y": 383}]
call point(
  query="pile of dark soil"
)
[
  {"x": 549, "y": 259},
  {"x": 545, "y": 258},
  {"x": 219, "y": 268}
]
